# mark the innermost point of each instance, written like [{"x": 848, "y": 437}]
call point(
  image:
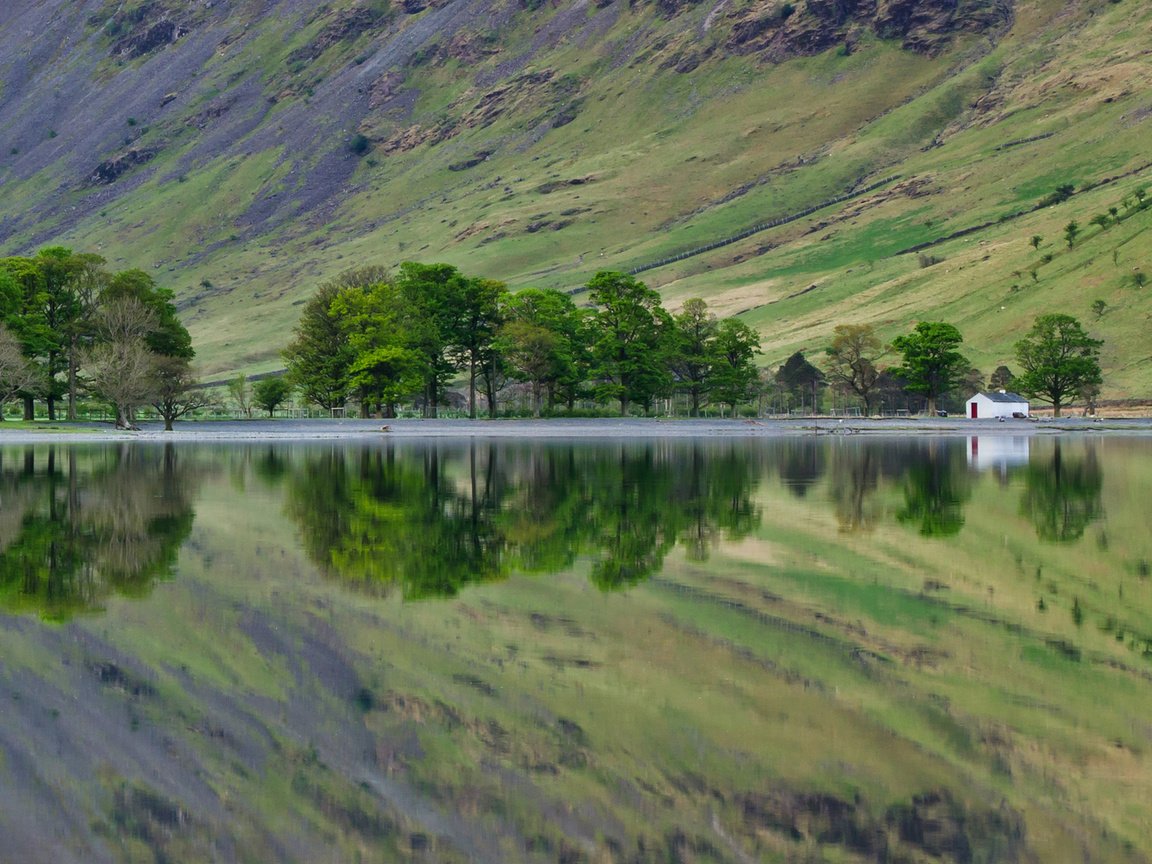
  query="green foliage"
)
[
  {"x": 91, "y": 529},
  {"x": 932, "y": 364},
  {"x": 452, "y": 516},
  {"x": 270, "y": 393},
  {"x": 1058, "y": 196},
  {"x": 320, "y": 355},
  {"x": 359, "y": 144},
  {"x": 1058, "y": 360},
  {"x": 695, "y": 333},
  {"x": 734, "y": 376},
  {"x": 1071, "y": 232},
  {"x": 544, "y": 344},
  {"x": 632, "y": 336}
]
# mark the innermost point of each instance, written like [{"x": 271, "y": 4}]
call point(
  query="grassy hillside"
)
[{"x": 275, "y": 149}]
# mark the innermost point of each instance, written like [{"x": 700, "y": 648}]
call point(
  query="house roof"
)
[{"x": 1001, "y": 396}]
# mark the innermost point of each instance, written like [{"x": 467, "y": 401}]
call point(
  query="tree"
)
[
  {"x": 473, "y": 328},
  {"x": 120, "y": 366},
  {"x": 932, "y": 365},
  {"x": 1071, "y": 231},
  {"x": 852, "y": 359},
  {"x": 176, "y": 392},
  {"x": 270, "y": 393},
  {"x": 558, "y": 362},
  {"x": 1059, "y": 359},
  {"x": 631, "y": 340},
  {"x": 319, "y": 356},
  {"x": 384, "y": 336},
  {"x": 1002, "y": 379},
  {"x": 532, "y": 351},
  {"x": 168, "y": 336},
  {"x": 734, "y": 376},
  {"x": 695, "y": 331},
  {"x": 800, "y": 380},
  {"x": 429, "y": 294},
  {"x": 17, "y": 372},
  {"x": 241, "y": 394},
  {"x": 1035, "y": 240}
]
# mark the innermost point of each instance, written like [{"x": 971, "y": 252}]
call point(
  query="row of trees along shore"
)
[
  {"x": 386, "y": 340},
  {"x": 71, "y": 329}
]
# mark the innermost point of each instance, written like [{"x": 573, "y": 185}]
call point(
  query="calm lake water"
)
[{"x": 837, "y": 649}]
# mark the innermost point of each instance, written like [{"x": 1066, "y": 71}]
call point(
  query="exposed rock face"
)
[
  {"x": 154, "y": 37},
  {"x": 934, "y": 823},
  {"x": 110, "y": 170},
  {"x": 344, "y": 27},
  {"x": 924, "y": 26}
]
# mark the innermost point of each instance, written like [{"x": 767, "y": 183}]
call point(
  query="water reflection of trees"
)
[
  {"x": 80, "y": 525},
  {"x": 1062, "y": 493},
  {"x": 433, "y": 519},
  {"x": 934, "y": 476},
  {"x": 936, "y": 488}
]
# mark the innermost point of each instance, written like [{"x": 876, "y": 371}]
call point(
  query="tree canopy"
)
[
  {"x": 1059, "y": 360},
  {"x": 932, "y": 364}
]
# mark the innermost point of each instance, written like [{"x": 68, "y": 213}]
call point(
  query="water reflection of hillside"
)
[{"x": 79, "y": 525}]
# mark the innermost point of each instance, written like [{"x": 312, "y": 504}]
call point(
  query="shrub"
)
[{"x": 359, "y": 144}]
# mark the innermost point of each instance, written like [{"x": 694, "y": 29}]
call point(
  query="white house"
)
[{"x": 998, "y": 403}]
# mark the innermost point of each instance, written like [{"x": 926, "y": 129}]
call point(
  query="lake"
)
[{"x": 836, "y": 648}]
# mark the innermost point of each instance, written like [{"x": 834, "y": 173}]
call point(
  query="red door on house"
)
[{"x": 973, "y": 411}]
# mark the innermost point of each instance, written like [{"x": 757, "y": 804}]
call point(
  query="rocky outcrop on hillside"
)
[
  {"x": 780, "y": 30},
  {"x": 111, "y": 170}
]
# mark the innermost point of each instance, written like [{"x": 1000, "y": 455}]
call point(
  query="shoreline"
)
[{"x": 564, "y": 428}]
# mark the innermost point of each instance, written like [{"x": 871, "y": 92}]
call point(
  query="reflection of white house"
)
[
  {"x": 996, "y": 404},
  {"x": 997, "y": 452}
]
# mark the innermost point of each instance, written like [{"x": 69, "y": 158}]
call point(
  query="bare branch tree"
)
[
  {"x": 176, "y": 394},
  {"x": 120, "y": 367},
  {"x": 17, "y": 372}
]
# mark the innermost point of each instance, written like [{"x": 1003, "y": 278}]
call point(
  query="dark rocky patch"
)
[
  {"x": 114, "y": 678},
  {"x": 552, "y": 185},
  {"x": 476, "y": 683},
  {"x": 111, "y": 170},
  {"x": 934, "y": 824},
  {"x": 924, "y": 26},
  {"x": 470, "y": 162},
  {"x": 155, "y": 37},
  {"x": 345, "y": 26}
]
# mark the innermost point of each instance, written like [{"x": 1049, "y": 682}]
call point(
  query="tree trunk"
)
[
  {"x": 29, "y": 408},
  {"x": 71, "y": 415},
  {"x": 472, "y": 389}
]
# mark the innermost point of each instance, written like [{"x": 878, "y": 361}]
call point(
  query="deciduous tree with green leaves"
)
[
  {"x": 932, "y": 364},
  {"x": 631, "y": 333},
  {"x": 734, "y": 377},
  {"x": 1059, "y": 360},
  {"x": 695, "y": 332},
  {"x": 270, "y": 393}
]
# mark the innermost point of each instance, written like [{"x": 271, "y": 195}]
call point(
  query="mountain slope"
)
[{"x": 247, "y": 150}]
